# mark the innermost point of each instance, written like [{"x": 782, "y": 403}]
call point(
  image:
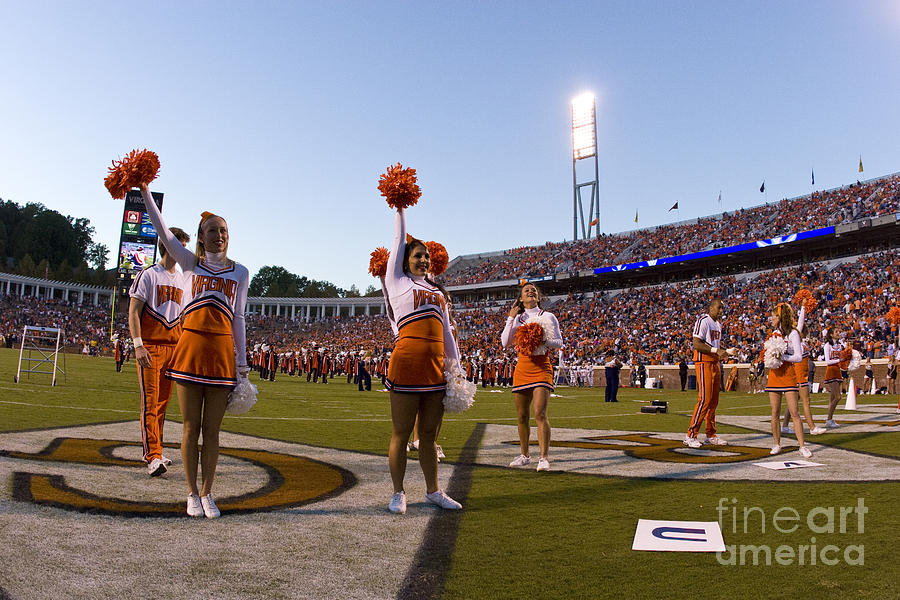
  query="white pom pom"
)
[
  {"x": 242, "y": 397},
  {"x": 855, "y": 361},
  {"x": 775, "y": 347},
  {"x": 460, "y": 393}
]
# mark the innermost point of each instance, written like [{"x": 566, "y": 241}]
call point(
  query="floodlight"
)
[{"x": 584, "y": 139}]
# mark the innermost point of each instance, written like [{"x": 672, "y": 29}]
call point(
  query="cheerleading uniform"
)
[
  {"x": 832, "y": 363},
  {"x": 425, "y": 337},
  {"x": 801, "y": 369},
  {"x": 709, "y": 376},
  {"x": 212, "y": 346},
  {"x": 784, "y": 378},
  {"x": 533, "y": 370},
  {"x": 163, "y": 295}
]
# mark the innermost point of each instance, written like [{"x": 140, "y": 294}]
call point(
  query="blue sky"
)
[{"x": 282, "y": 115}]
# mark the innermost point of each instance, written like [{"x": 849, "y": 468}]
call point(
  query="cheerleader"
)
[
  {"x": 833, "y": 377},
  {"x": 892, "y": 376},
  {"x": 783, "y": 380},
  {"x": 415, "y": 373},
  {"x": 211, "y": 352},
  {"x": 801, "y": 370},
  {"x": 869, "y": 378},
  {"x": 533, "y": 377}
]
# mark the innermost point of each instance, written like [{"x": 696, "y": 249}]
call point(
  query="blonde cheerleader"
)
[
  {"x": 783, "y": 350},
  {"x": 211, "y": 353}
]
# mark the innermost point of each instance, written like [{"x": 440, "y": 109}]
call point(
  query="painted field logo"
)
[
  {"x": 290, "y": 480},
  {"x": 644, "y": 445}
]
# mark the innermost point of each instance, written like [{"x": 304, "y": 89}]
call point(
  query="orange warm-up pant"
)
[
  {"x": 156, "y": 390},
  {"x": 709, "y": 380}
]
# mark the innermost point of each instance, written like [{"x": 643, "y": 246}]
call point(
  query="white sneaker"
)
[
  {"x": 520, "y": 461},
  {"x": 543, "y": 464},
  {"x": 443, "y": 500},
  {"x": 716, "y": 441},
  {"x": 817, "y": 430},
  {"x": 692, "y": 442},
  {"x": 156, "y": 467},
  {"x": 805, "y": 452},
  {"x": 398, "y": 503},
  {"x": 166, "y": 461},
  {"x": 787, "y": 430},
  {"x": 830, "y": 424},
  {"x": 209, "y": 507},
  {"x": 413, "y": 445},
  {"x": 775, "y": 449},
  {"x": 194, "y": 508},
  {"x": 440, "y": 451}
]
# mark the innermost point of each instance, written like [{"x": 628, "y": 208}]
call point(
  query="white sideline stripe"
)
[
  {"x": 67, "y": 407},
  {"x": 347, "y": 420}
]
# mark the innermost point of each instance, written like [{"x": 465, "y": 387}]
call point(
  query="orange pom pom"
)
[
  {"x": 398, "y": 186},
  {"x": 439, "y": 257},
  {"x": 894, "y": 315},
  {"x": 805, "y": 298},
  {"x": 378, "y": 262},
  {"x": 528, "y": 337},
  {"x": 138, "y": 168}
]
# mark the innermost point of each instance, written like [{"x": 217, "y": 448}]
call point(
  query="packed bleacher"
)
[
  {"x": 83, "y": 325},
  {"x": 648, "y": 325},
  {"x": 820, "y": 209}
]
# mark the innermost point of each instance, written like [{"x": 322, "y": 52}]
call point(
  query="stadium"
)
[
  {"x": 305, "y": 469},
  {"x": 450, "y": 301}
]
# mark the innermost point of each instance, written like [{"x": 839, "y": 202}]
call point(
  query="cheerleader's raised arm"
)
[
  {"x": 395, "y": 280},
  {"x": 184, "y": 257}
]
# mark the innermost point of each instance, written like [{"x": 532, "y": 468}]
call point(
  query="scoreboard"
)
[{"x": 137, "y": 240}]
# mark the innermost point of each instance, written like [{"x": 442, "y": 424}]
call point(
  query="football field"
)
[{"x": 303, "y": 485}]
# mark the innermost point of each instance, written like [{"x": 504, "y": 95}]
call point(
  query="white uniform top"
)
[
  {"x": 508, "y": 337},
  {"x": 833, "y": 353},
  {"x": 708, "y": 330},
  {"x": 794, "y": 352},
  {"x": 215, "y": 283},
  {"x": 411, "y": 296},
  {"x": 164, "y": 295}
]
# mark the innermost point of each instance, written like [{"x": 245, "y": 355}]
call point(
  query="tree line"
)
[
  {"x": 36, "y": 241},
  {"x": 39, "y": 242}
]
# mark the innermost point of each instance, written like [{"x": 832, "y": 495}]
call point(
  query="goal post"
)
[{"x": 39, "y": 353}]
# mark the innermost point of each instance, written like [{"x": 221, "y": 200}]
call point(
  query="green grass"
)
[{"x": 555, "y": 535}]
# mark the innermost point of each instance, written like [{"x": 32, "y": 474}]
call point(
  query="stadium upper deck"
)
[{"x": 856, "y": 202}]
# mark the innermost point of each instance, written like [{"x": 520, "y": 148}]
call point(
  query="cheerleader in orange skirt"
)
[
  {"x": 783, "y": 380},
  {"x": 533, "y": 376},
  {"x": 211, "y": 352},
  {"x": 833, "y": 367},
  {"x": 415, "y": 374}
]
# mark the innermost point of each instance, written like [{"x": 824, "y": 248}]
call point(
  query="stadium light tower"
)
[{"x": 584, "y": 145}]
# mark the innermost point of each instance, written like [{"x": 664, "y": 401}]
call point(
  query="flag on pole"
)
[
  {"x": 594, "y": 222},
  {"x": 860, "y": 163},
  {"x": 762, "y": 188},
  {"x": 813, "y": 177},
  {"x": 635, "y": 216},
  {"x": 720, "y": 199},
  {"x": 674, "y": 207}
]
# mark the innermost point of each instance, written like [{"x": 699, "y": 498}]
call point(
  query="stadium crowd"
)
[{"x": 816, "y": 210}]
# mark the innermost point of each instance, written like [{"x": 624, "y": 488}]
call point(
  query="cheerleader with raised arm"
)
[
  {"x": 783, "y": 350},
  {"x": 415, "y": 375},
  {"x": 801, "y": 370},
  {"x": 211, "y": 353},
  {"x": 535, "y": 333},
  {"x": 833, "y": 378}
]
